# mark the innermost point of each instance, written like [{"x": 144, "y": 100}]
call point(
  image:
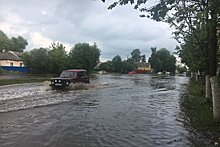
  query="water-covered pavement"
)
[{"x": 125, "y": 111}]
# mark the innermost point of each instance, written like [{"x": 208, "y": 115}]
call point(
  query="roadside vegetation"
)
[
  {"x": 55, "y": 59},
  {"x": 198, "y": 112},
  {"x": 1, "y": 70},
  {"x": 197, "y": 108},
  {"x": 52, "y": 59},
  {"x": 196, "y": 28},
  {"x": 161, "y": 61}
]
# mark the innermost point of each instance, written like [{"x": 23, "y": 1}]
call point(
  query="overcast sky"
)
[{"x": 116, "y": 32}]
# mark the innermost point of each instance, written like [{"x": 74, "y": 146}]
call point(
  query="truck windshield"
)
[{"x": 67, "y": 74}]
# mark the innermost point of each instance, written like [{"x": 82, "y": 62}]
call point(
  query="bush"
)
[{"x": 1, "y": 70}]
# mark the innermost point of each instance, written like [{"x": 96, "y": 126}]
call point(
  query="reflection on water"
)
[{"x": 136, "y": 110}]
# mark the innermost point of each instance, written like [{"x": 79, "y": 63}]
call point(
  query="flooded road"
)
[{"x": 125, "y": 111}]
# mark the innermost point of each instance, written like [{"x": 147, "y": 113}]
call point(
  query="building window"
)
[
  {"x": 11, "y": 64},
  {"x": 21, "y": 64}
]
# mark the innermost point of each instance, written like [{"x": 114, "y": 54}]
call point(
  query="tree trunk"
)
[
  {"x": 207, "y": 87},
  {"x": 218, "y": 71},
  {"x": 192, "y": 75},
  {"x": 196, "y": 74},
  {"x": 213, "y": 60},
  {"x": 213, "y": 43},
  {"x": 215, "y": 98}
]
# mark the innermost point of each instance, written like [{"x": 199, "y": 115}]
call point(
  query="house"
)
[
  {"x": 143, "y": 67},
  {"x": 10, "y": 60}
]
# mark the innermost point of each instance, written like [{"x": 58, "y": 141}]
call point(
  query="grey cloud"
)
[{"x": 118, "y": 31}]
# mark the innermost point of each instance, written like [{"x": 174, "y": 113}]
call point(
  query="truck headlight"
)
[
  {"x": 55, "y": 81},
  {"x": 67, "y": 83},
  {"x": 59, "y": 81}
]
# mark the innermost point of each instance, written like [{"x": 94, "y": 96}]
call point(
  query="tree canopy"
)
[
  {"x": 162, "y": 61},
  {"x": 137, "y": 57},
  {"x": 58, "y": 58},
  {"x": 84, "y": 56},
  {"x": 18, "y": 44},
  {"x": 55, "y": 59},
  {"x": 117, "y": 64},
  {"x": 37, "y": 60},
  {"x": 14, "y": 44},
  {"x": 193, "y": 55},
  {"x": 106, "y": 66},
  {"x": 5, "y": 42}
]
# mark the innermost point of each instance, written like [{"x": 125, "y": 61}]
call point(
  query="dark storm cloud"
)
[{"x": 116, "y": 31}]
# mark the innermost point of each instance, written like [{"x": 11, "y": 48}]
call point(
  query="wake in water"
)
[
  {"x": 77, "y": 86},
  {"x": 24, "y": 96}
]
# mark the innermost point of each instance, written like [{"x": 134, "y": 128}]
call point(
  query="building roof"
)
[
  {"x": 10, "y": 55},
  {"x": 142, "y": 64},
  {"x": 19, "y": 54}
]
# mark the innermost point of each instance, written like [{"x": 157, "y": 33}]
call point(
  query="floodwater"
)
[{"x": 125, "y": 111}]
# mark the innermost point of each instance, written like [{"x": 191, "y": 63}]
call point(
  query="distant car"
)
[
  {"x": 70, "y": 76},
  {"x": 132, "y": 72}
]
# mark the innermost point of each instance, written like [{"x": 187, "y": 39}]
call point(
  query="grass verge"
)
[
  {"x": 197, "y": 107},
  {"x": 198, "y": 113}
]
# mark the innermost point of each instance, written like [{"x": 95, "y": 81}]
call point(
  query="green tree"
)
[
  {"x": 127, "y": 67},
  {"x": 192, "y": 55},
  {"x": 143, "y": 58},
  {"x": 136, "y": 55},
  {"x": 84, "y": 56},
  {"x": 58, "y": 58},
  {"x": 106, "y": 66},
  {"x": 5, "y": 42},
  {"x": 162, "y": 61},
  {"x": 37, "y": 60},
  {"x": 117, "y": 64},
  {"x": 171, "y": 67},
  {"x": 14, "y": 44},
  {"x": 181, "y": 69},
  {"x": 152, "y": 58},
  {"x": 18, "y": 44}
]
